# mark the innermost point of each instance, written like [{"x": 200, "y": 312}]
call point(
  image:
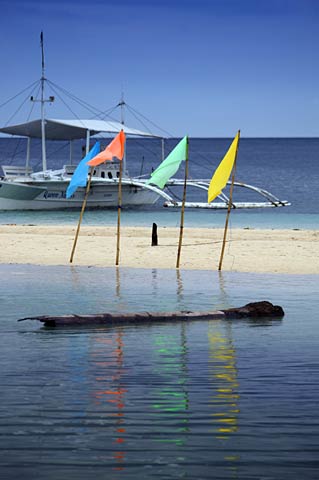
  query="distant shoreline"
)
[{"x": 247, "y": 250}]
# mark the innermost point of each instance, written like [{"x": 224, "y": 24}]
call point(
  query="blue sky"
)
[{"x": 198, "y": 67}]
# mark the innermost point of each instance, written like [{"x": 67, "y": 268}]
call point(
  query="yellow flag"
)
[{"x": 223, "y": 171}]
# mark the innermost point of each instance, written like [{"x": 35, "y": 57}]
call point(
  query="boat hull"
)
[{"x": 52, "y": 196}]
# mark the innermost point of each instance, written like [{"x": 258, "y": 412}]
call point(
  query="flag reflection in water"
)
[
  {"x": 171, "y": 397},
  {"x": 223, "y": 373},
  {"x": 112, "y": 390}
]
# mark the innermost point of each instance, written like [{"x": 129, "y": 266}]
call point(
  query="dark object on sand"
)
[
  {"x": 154, "y": 235},
  {"x": 251, "y": 310}
]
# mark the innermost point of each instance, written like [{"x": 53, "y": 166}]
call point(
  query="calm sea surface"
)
[{"x": 197, "y": 400}]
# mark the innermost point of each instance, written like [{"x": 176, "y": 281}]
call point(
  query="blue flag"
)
[{"x": 80, "y": 174}]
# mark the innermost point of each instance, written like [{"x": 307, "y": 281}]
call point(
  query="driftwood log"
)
[{"x": 254, "y": 310}]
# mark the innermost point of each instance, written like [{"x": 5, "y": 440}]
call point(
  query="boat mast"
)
[
  {"x": 122, "y": 104},
  {"x": 43, "y": 101},
  {"x": 44, "y": 156}
]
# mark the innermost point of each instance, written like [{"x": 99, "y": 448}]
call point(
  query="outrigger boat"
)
[{"x": 23, "y": 189}]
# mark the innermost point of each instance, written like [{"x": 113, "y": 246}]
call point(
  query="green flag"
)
[{"x": 170, "y": 165}]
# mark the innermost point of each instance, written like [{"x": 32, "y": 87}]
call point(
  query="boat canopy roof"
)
[{"x": 56, "y": 129}]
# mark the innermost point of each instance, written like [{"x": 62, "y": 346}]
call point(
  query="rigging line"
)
[
  {"x": 103, "y": 115},
  {"x": 62, "y": 147},
  {"x": 203, "y": 243},
  {"x": 15, "y": 152},
  {"x": 28, "y": 118},
  {"x": 50, "y": 155},
  {"x": 131, "y": 109},
  {"x": 107, "y": 113},
  {"x": 36, "y": 142},
  {"x": 173, "y": 194},
  {"x": 209, "y": 168},
  {"x": 150, "y": 121},
  {"x": 192, "y": 244},
  {"x": 18, "y": 94},
  {"x": 139, "y": 120},
  {"x": 201, "y": 155},
  {"x": 95, "y": 111},
  {"x": 205, "y": 167},
  {"x": 5, "y": 154},
  {"x": 18, "y": 109},
  {"x": 65, "y": 144},
  {"x": 73, "y": 97},
  {"x": 140, "y": 143},
  {"x": 83, "y": 103},
  {"x": 33, "y": 103},
  {"x": 67, "y": 106}
]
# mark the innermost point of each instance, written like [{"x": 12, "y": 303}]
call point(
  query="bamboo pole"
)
[
  {"x": 230, "y": 203},
  {"x": 119, "y": 207},
  {"x": 88, "y": 185},
  {"x": 181, "y": 229}
]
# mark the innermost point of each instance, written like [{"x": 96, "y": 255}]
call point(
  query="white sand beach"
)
[{"x": 247, "y": 250}]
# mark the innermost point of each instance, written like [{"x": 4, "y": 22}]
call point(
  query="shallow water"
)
[
  {"x": 261, "y": 218},
  {"x": 197, "y": 400}
]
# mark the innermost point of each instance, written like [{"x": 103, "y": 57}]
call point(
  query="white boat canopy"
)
[{"x": 70, "y": 129}]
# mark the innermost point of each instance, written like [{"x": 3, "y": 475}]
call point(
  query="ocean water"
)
[
  {"x": 286, "y": 167},
  {"x": 196, "y": 400}
]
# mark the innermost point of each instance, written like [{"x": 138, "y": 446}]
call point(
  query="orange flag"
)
[{"x": 114, "y": 149}]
